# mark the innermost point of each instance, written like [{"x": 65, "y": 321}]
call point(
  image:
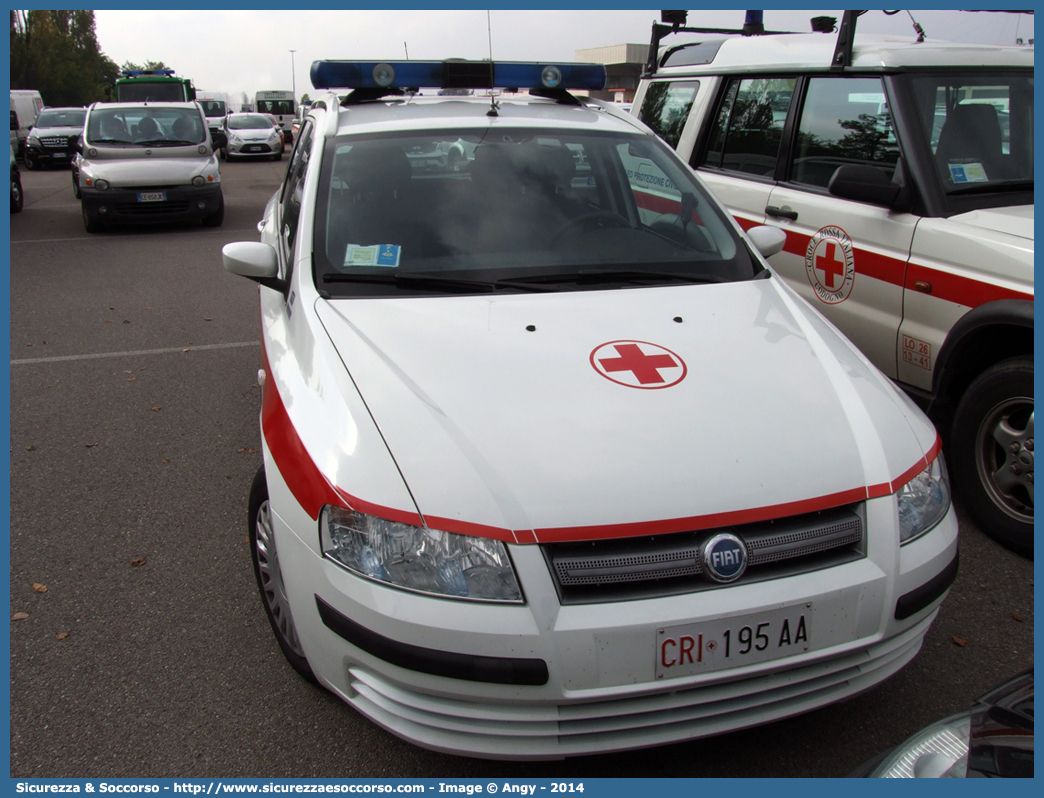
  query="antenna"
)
[
  {"x": 407, "y": 49},
  {"x": 492, "y": 97}
]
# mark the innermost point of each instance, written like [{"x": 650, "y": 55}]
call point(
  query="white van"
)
[
  {"x": 26, "y": 103},
  {"x": 215, "y": 106}
]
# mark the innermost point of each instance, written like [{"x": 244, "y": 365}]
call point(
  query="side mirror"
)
[
  {"x": 255, "y": 261},
  {"x": 767, "y": 240},
  {"x": 78, "y": 146},
  {"x": 863, "y": 184},
  {"x": 218, "y": 139}
]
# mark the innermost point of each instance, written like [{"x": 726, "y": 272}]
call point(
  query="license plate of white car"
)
[
  {"x": 254, "y": 149},
  {"x": 152, "y": 196},
  {"x": 733, "y": 642}
]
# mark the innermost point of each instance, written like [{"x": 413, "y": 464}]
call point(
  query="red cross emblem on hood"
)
[{"x": 638, "y": 364}]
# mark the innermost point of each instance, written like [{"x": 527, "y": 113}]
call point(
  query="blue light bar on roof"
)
[
  {"x": 455, "y": 75},
  {"x": 130, "y": 73}
]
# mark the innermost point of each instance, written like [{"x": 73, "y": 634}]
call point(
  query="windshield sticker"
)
[
  {"x": 373, "y": 255},
  {"x": 968, "y": 173}
]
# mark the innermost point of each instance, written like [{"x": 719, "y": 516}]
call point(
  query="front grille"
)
[
  {"x": 151, "y": 208},
  {"x": 58, "y": 142},
  {"x": 666, "y": 565}
]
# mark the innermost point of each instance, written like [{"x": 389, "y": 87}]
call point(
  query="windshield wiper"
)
[
  {"x": 583, "y": 276},
  {"x": 412, "y": 280},
  {"x": 996, "y": 185},
  {"x": 153, "y": 142},
  {"x": 433, "y": 281},
  {"x": 110, "y": 141}
]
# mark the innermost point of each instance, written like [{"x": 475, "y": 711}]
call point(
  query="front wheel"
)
[
  {"x": 30, "y": 163},
  {"x": 217, "y": 217},
  {"x": 269, "y": 577},
  {"x": 16, "y": 192},
  {"x": 89, "y": 224},
  {"x": 76, "y": 187},
  {"x": 992, "y": 452}
]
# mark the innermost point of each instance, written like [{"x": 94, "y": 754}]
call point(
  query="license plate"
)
[
  {"x": 255, "y": 149},
  {"x": 733, "y": 642},
  {"x": 152, "y": 196},
  {"x": 60, "y": 155}
]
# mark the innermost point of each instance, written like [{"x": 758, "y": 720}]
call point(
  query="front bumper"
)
[
  {"x": 123, "y": 206},
  {"x": 466, "y": 678},
  {"x": 51, "y": 155},
  {"x": 253, "y": 148}
]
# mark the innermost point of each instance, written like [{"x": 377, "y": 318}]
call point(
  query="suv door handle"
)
[{"x": 772, "y": 210}]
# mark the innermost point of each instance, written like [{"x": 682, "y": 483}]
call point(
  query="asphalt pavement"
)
[{"x": 139, "y": 645}]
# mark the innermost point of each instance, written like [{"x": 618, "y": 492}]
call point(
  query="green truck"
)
[{"x": 157, "y": 85}]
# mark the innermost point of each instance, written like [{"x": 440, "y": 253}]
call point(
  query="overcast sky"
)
[{"x": 249, "y": 51}]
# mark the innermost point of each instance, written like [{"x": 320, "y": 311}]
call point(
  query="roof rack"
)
[{"x": 753, "y": 25}]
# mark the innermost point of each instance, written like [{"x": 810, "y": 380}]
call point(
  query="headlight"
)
[
  {"x": 199, "y": 180},
  {"x": 417, "y": 558},
  {"x": 941, "y": 750},
  {"x": 33, "y": 141},
  {"x": 235, "y": 139},
  {"x": 101, "y": 185},
  {"x": 923, "y": 501}
]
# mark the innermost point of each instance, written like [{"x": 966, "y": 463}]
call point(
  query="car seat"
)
[{"x": 971, "y": 134}]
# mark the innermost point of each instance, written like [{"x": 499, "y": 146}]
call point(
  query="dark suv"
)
[{"x": 52, "y": 138}]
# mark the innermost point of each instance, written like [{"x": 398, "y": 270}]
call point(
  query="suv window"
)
[
  {"x": 979, "y": 128},
  {"x": 749, "y": 127},
  {"x": 666, "y": 107},
  {"x": 843, "y": 121}
]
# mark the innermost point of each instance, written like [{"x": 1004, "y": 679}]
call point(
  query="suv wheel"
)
[
  {"x": 16, "y": 192},
  {"x": 992, "y": 446},
  {"x": 30, "y": 164},
  {"x": 270, "y": 577},
  {"x": 76, "y": 186}
]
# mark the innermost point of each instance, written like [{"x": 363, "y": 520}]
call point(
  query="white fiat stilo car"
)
[{"x": 554, "y": 463}]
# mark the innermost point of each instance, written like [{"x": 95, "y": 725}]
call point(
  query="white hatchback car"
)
[{"x": 553, "y": 463}]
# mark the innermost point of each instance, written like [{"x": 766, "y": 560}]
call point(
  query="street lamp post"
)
[{"x": 293, "y": 75}]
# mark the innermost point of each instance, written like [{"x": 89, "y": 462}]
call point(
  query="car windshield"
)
[
  {"x": 514, "y": 210},
  {"x": 979, "y": 128},
  {"x": 153, "y": 91},
  {"x": 72, "y": 118},
  {"x": 249, "y": 122},
  {"x": 151, "y": 126}
]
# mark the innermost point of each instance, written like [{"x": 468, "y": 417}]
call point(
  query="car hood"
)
[
  {"x": 44, "y": 132},
  {"x": 1016, "y": 221},
  {"x": 252, "y": 135},
  {"x": 497, "y": 412},
  {"x": 154, "y": 171}
]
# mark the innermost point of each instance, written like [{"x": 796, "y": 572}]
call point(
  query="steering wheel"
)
[{"x": 589, "y": 221}]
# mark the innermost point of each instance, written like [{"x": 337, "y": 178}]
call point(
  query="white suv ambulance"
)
[
  {"x": 902, "y": 173},
  {"x": 553, "y": 464}
]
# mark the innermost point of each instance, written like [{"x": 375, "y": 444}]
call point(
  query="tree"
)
[
  {"x": 57, "y": 53},
  {"x": 305, "y": 99},
  {"x": 148, "y": 66}
]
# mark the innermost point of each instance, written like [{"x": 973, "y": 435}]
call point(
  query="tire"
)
[
  {"x": 217, "y": 217},
  {"x": 269, "y": 577},
  {"x": 76, "y": 187},
  {"x": 16, "y": 193},
  {"x": 89, "y": 224},
  {"x": 30, "y": 164},
  {"x": 223, "y": 154},
  {"x": 278, "y": 156},
  {"x": 992, "y": 452}
]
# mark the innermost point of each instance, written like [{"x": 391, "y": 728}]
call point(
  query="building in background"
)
[{"x": 623, "y": 65}]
